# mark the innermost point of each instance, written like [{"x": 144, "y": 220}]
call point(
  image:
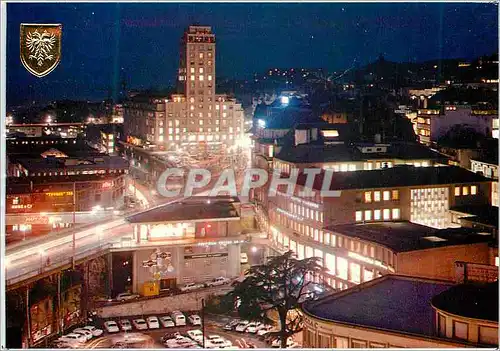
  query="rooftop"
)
[
  {"x": 307, "y": 153},
  {"x": 37, "y": 146},
  {"x": 391, "y": 302},
  {"x": 22, "y": 185},
  {"x": 483, "y": 214},
  {"x": 406, "y": 236},
  {"x": 399, "y": 176},
  {"x": 191, "y": 209},
  {"x": 90, "y": 162},
  {"x": 479, "y": 301}
]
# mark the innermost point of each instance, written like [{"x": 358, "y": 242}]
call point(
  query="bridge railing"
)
[{"x": 51, "y": 263}]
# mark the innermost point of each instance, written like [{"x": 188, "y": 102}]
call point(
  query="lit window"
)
[
  {"x": 201, "y": 70},
  {"x": 368, "y": 196},
  {"x": 395, "y": 194},
  {"x": 457, "y": 191},
  {"x": 201, "y": 122},
  {"x": 368, "y": 215},
  {"x": 191, "y": 107},
  {"x": 191, "y": 100},
  {"x": 355, "y": 272},
  {"x": 376, "y": 215},
  {"x": 217, "y": 107},
  {"x": 225, "y": 107},
  {"x": 465, "y": 190},
  {"x": 473, "y": 190},
  {"x": 330, "y": 263},
  {"x": 395, "y": 213},
  {"x": 209, "y": 77},
  {"x": 342, "y": 268},
  {"x": 359, "y": 216},
  {"x": 376, "y": 196},
  {"x": 192, "y": 78},
  {"x": 192, "y": 69},
  {"x": 200, "y": 55},
  {"x": 387, "y": 214},
  {"x": 343, "y": 167},
  {"x": 387, "y": 195}
]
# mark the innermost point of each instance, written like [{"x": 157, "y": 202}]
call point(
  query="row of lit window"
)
[
  {"x": 333, "y": 240},
  {"x": 424, "y": 132},
  {"x": 101, "y": 171},
  {"x": 201, "y": 77},
  {"x": 423, "y": 120},
  {"x": 377, "y": 196},
  {"x": 200, "y": 70},
  {"x": 306, "y": 212},
  {"x": 377, "y": 215},
  {"x": 465, "y": 190},
  {"x": 337, "y": 265},
  {"x": 215, "y": 137}
]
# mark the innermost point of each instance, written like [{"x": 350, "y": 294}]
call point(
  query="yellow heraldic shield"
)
[{"x": 40, "y": 47}]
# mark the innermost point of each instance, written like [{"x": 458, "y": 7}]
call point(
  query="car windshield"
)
[{"x": 111, "y": 324}]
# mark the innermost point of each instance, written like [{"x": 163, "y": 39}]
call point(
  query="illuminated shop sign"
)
[
  {"x": 223, "y": 242},
  {"x": 369, "y": 260},
  {"x": 37, "y": 220},
  {"x": 59, "y": 194},
  {"x": 301, "y": 201},
  {"x": 21, "y": 206},
  {"x": 192, "y": 257}
]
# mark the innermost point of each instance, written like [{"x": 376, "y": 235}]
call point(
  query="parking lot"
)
[{"x": 152, "y": 338}]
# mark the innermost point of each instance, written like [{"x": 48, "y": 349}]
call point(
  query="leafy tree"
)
[{"x": 280, "y": 286}]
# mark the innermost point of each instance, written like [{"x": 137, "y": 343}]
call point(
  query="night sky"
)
[{"x": 103, "y": 42}]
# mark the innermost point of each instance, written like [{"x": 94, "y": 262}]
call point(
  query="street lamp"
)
[{"x": 203, "y": 320}]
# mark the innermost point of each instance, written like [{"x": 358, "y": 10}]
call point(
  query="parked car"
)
[
  {"x": 169, "y": 336},
  {"x": 111, "y": 327},
  {"x": 125, "y": 324},
  {"x": 231, "y": 325},
  {"x": 153, "y": 322},
  {"x": 191, "y": 287},
  {"x": 88, "y": 335},
  {"x": 196, "y": 335},
  {"x": 218, "y": 281},
  {"x": 140, "y": 324},
  {"x": 167, "y": 322},
  {"x": 64, "y": 345},
  {"x": 73, "y": 338},
  {"x": 243, "y": 258},
  {"x": 253, "y": 327},
  {"x": 95, "y": 331},
  {"x": 126, "y": 297},
  {"x": 265, "y": 330},
  {"x": 194, "y": 319},
  {"x": 277, "y": 342},
  {"x": 242, "y": 325},
  {"x": 179, "y": 318},
  {"x": 215, "y": 344}
]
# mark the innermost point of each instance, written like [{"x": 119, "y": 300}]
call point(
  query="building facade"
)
[
  {"x": 196, "y": 119},
  {"x": 410, "y": 320}
]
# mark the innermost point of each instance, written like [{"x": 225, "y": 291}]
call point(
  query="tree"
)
[{"x": 280, "y": 285}]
